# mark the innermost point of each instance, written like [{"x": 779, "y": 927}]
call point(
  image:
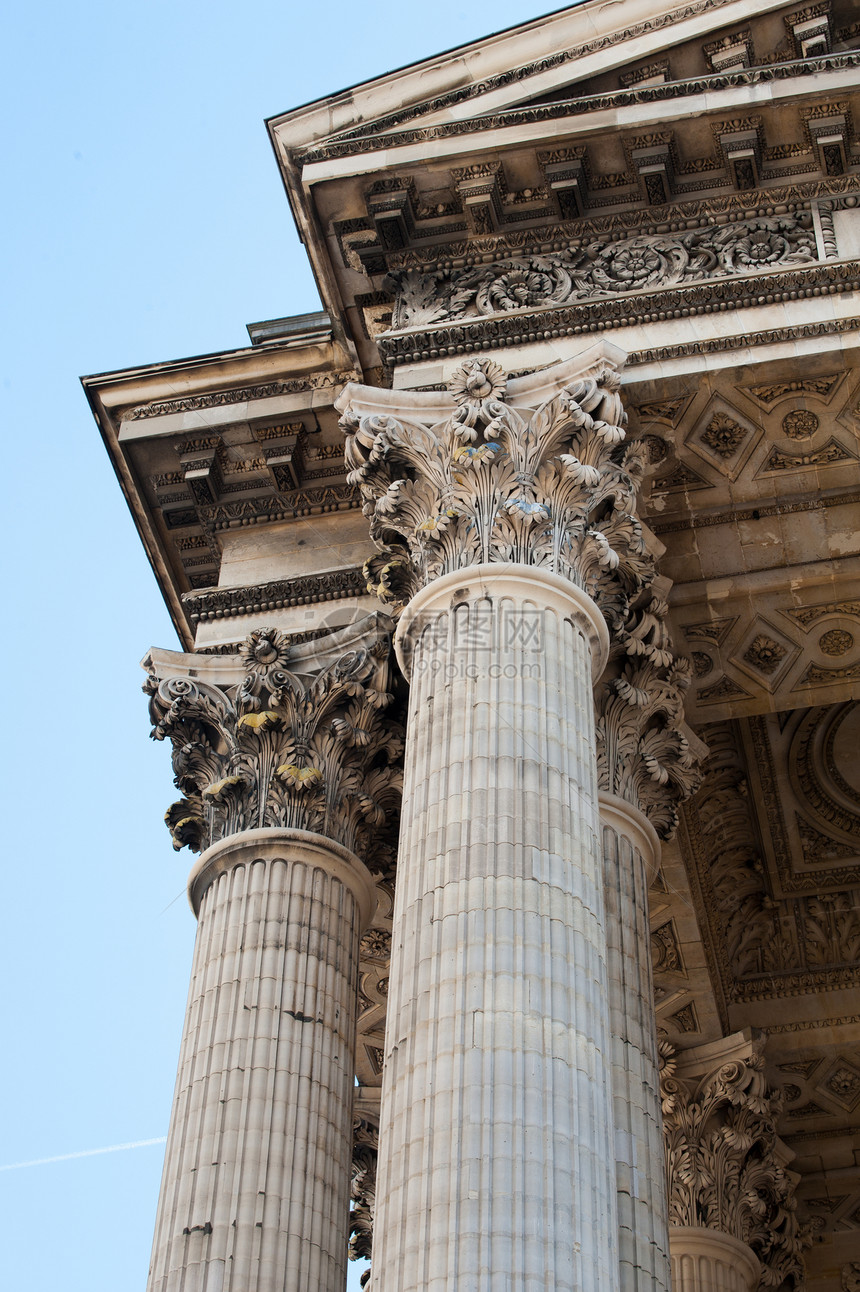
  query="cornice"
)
[
  {"x": 221, "y": 603},
  {"x": 382, "y": 134},
  {"x": 724, "y": 344},
  {"x": 673, "y": 217},
  {"x": 494, "y": 64},
  {"x": 241, "y": 394}
]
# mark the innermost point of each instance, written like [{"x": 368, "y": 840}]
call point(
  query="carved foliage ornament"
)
[
  {"x": 643, "y": 755},
  {"x": 602, "y": 268},
  {"x": 315, "y": 754},
  {"x": 723, "y": 1162},
  {"x": 365, "y": 1148},
  {"x": 554, "y": 488}
]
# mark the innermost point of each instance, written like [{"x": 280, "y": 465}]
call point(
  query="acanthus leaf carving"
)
[
  {"x": 314, "y": 753},
  {"x": 365, "y": 1150},
  {"x": 643, "y": 751},
  {"x": 725, "y": 1165},
  {"x": 553, "y": 487}
]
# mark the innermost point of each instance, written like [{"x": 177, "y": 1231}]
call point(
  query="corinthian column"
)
[
  {"x": 510, "y": 538},
  {"x": 288, "y": 779},
  {"x": 645, "y": 767}
]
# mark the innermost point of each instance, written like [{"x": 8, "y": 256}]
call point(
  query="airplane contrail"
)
[{"x": 86, "y": 1152}]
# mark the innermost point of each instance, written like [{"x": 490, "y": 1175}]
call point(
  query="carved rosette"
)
[
  {"x": 644, "y": 753},
  {"x": 725, "y": 1165},
  {"x": 314, "y": 753},
  {"x": 554, "y": 487}
]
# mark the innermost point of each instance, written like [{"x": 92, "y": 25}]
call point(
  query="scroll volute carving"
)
[
  {"x": 554, "y": 487},
  {"x": 315, "y": 753},
  {"x": 726, "y": 1166}
]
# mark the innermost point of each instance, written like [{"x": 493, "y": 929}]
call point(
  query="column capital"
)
[
  {"x": 726, "y": 1166},
  {"x": 264, "y": 739},
  {"x": 470, "y": 479}
]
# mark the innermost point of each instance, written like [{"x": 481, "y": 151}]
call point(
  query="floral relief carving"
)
[
  {"x": 828, "y": 455},
  {"x": 665, "y": 952},
  {"x": 723, "y": 435},
  {"x": 276, "y": 749},
  {"x": 554, "y": 488},
  {"x": 800, "y": 424},
  {"x": 724, "y": 1165},
  {"x": 843, "y": 1084},
  {"x": 837, "y": 641},
  {"x": 376, "y": 945},
  {"x": 603, "y": 267},
  {"x": 851, "y": 1277},
  {"x": 769, "y": 393},
  {"x": 765, "y": 654},
  {"x": 806, "y": 616}
]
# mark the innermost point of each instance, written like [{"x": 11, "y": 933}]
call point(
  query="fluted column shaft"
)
[
  {"x": 496, "y": 1164},
  {"x": 707, "y": 1260},
  {"x": 631, "y": 853},
  {"x": 255, "y": 1190}
]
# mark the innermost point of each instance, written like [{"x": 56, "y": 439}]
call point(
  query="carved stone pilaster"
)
[
  {"x": 554, "y": 487},
  {"x": 268, "y": 746},
  {"x": 726, "y": 1167}
]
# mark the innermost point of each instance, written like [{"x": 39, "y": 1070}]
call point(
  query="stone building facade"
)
[{"x": 516, "y": 723}]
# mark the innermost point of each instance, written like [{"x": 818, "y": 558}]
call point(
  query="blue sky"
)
[{"x": 143, "y": 220}]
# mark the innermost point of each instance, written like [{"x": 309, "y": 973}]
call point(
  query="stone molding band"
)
[
  {"x": 519, "y": 582},
  {"x": 628, "y": 821},
  {"x": 272, "y": 843},
  {"x": 731, "y": 1265}
]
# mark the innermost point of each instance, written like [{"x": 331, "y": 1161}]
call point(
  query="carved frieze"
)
[
  {"x": 317, "y": 753},
  {"x": 596, "y": 314},
  {"x": 601, "y": 268}
]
